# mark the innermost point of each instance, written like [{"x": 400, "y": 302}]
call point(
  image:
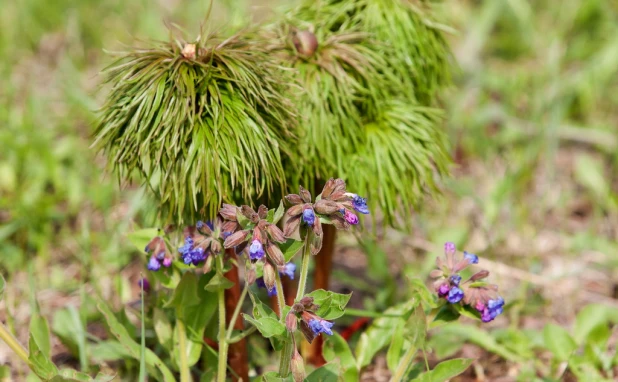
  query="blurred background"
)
[{"x": 532, "y": 118}]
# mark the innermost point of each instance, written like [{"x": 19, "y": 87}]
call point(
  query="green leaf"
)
[
  {"x": 185, "y": 293},
  {"x": 163, "y": 328},
  {"x": 337, "y": 348},
  {"x": 142, "y": 237},
  {"x": 273, "y": 376},
  {"x": 445, "y": 370},
  {"x": 169, "y": 278},
  {"x": 2, "y": 285},
  {"x": 71, "y": 375},
  {"x": 381, "y": 331},
  {"x": 268, "y": 326},
  {"x": 590, "y": 174},
  {"x": 153, "y": 362},
  {"x": 219, "y": 281},
  {"x": 278, "y": 214},
  {"x": 558, "y": 341},
  {"x": 393, "y": 355},
  {"x": 480, "y": 338},
  {"x": 416, "y": 327},
  {"x": 330, "y": 372},
  {"x": 39, "y": 363},
  {"x": 589, "y": 318},
  {"x": 332, "y": 305},
  {"x": 445, "y": 315},
  {"x": 39, "y": 330},
  {"x": 105, "y": 351},
  {"x": 290, "y": 248}
]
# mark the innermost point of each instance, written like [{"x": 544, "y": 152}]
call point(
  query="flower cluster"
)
[
  {"x": 200, "y": 242},
  {"x": 311, "y": 325},
  {"x": 478, "y": 294},
  {"x": 160, "y": 255},
  {"x": 333, "y": 206}
]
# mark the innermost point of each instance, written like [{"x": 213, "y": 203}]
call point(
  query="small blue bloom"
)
[
  {"x": 225, "y": 235},
  {"x": 360, "y": 204},
  {"x": 321, "y": 326},
  {"x": 455, "y": 295},
  {"x": 308, "y": 216},
  {"x": 160, "y": 256},
  {"x": 261, "y": 284},
  {"x": 455, "y": 279},
  {"x": 256, "y": 250},
  {"x": 289, "y": 270},
  {"x": 493, "y": 309},
  {"x": 199, "y": 224},
  {"x": 471, "y": 257},
  {"x": 153, "y": 264}
]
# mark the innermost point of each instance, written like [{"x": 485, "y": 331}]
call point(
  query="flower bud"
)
[
  {"x": 269, "y": 276},
  {"x": 297, "y": 367},
  {"x": 305, "y": 43},
  {"x": 291, "y": 321},
  {"x": 297, "y": 308},
  {"x": 275, "y": 254},
  {"x": 479, "y": 275},
  {"x": 236, "y": 238},
  {"x": 306, "y": 301},
  {"x": 215, "y": 246},
  {"x": 275, "y": 233},
  {"x": 262, "y": 211},
  {"x": 228, "y": 212},
  {"x": 326, "y": 207},
  {"x": 188, "y": 51},
  {"x": 250, "y": 214}
]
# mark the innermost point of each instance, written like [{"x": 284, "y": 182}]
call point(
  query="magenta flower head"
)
[
  {"x": 144, "y": 283},
  {"x": 350, "y": 217},
  {"x": 160, "y": 254},
  {"x": 476, "y": 293}
]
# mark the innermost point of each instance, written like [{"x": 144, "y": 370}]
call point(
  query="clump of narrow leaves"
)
[{"x": 198, "y": 119}]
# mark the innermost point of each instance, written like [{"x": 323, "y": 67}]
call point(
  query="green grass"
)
[{"x": 531, "y": 119}]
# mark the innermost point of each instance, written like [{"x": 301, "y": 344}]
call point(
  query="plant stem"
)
[
  {"x": 280, "y": 296},
  {"x": 304, "y": 268},
  {"x": 221, "y": 370},
  {"x": 185, "y": 372},
  {"x": 404, "y": 363},
  {"x": 230, "y": 328},
  {"x": 10, "y": 340}
]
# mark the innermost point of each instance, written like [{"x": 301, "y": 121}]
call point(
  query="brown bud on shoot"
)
[
  {"x": 326, "y": 207},
  {"x": 188, "y": 51},
  {"x": 291, "y": 226},
  {"x": 298, "y": 308},
  {"x": 295, "y": 210},
  {"x": 251, "y": 276},
  {"x": 208, "y": 264},
  {"x": 294, "y": 199},
  {"x": 275, "y": 233},
  {"x": 249, "y": 213},
  {"x": 228, "y": 212},
  {"x": 306, "y": 301},
  {"x": 305, "y": 195},
  {"x": 215, "y": 246},
  {"x": 479, "y": 275},
  {"x": 305, "y": 43}
]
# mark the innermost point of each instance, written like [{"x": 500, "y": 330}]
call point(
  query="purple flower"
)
[
  {"x": 308, "y": 216},
  {"x": 160, "y": 256},
  {"x": 153, "y": 264},
  {"x": 360, "y": 204},
  {"x": 443, "y": 290},
  {"x": 289, "y": 270},
  {"x": 261, "y": 284},
  {"x": 471, "y": 257},
  {"x": 256, "y": 250},
  {"x": 479, "y": 306},
  {"x": 144, "y": 283},
  {"x": 449, "y": 248},
  {"x": 350, "y": 217},
  {"x": 167, "y": 262},
  {"x": 454, "y": 295},
  {"x": 455, "y": 279},
  {"x": 199, "y": 225},
  {"x": 321, "y": 326},
  {"x": 492, "y": 310}
]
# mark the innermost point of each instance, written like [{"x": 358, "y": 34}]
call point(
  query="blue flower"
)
[
  {"x": 309, "y": 216},
  {"x": 199, "y": 224},
  {"x": 321, "y": 326},
  {"x": 493, "y": 309},
  {"x": 261, "y": 284},
  {"x": 455, "y": 295},
  {"x": 360, "y": 204},
  {"x": 256, "y": 250},
  {"x": 471, "y": 257},
  {"x": 455, "y": 279},
  {"x": 289, "y": 270},
  {"x": 153, "y": 264}
]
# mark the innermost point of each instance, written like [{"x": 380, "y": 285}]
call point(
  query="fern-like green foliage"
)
[
  {"x": 199, "y": 125},
  {"x": 367, "y": 116}
]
